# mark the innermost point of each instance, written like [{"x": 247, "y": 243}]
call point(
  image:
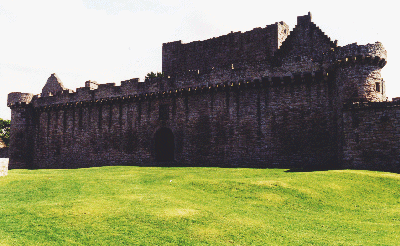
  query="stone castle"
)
[{"x": 262, "y": 98}]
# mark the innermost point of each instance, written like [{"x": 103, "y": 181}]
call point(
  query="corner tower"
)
[
  {"x": 21, "y": 129},
  {"x": 359, "y": 72}
]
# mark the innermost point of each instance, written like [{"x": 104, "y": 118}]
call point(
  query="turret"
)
[
  {"x": 359, "y": 72},
  {"x": 21, "y": 132}
]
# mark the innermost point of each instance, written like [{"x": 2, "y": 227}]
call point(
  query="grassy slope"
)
[{"x": 197, "y": 206}]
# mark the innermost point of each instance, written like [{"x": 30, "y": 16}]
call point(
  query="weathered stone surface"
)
[
  {"x": 4, "y": 152},
  {"x": 3, "y": 166},
  {"x": 225, "y": 52},
  {"x": 371, "y": 136},
  {"x": 265, "y": 98},
  {"x": 52, "y": 86}
]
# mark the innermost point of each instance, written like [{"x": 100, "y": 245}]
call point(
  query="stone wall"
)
[
  {"x": 371, "y": 136},
  {"x": 284, "y": 104},
  {"x": 247, "y": 124},
  {"x": 4, "y": 152},
  {"x": 3, "y": 166},
  {"x": 227, "y": 52}
]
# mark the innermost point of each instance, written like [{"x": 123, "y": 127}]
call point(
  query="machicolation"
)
[{"x": 263, "y": 98}]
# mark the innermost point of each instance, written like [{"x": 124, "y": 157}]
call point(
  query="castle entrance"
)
[{"x": 164, "y": 145}]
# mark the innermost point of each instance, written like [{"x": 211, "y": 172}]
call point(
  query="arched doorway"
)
[{"x": 164, "y": 145}]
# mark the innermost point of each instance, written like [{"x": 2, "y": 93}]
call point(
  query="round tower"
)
[
  {"x": 359, "y": 72},
  {"x": 21, "y": 134}
]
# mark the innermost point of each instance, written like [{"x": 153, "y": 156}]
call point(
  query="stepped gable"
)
[
  {"x": 306, "y": 41},
  {"x": 53, "y": 86}
]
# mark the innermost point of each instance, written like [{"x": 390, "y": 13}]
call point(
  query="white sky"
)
[{"x": 111, "y": 41}]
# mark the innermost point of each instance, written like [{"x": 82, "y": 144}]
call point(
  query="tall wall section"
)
[
  {"x": 357, "y": 73},
  {"x": 372, "y": 134},
  {"x": 227, "y": 52},
  {"x": 266, "y": 123}
]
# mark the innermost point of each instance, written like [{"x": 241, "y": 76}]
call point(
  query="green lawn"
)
[{"x": 198, "y": 206}]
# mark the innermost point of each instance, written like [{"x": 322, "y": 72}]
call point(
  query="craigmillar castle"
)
[{"x": 269, "y": 97}]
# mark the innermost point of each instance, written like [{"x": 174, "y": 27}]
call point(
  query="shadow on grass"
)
[
  {"x": 300, "y": 169},
  {"x": 316, "y": 169},
  {"x": 290, "y": 169}
]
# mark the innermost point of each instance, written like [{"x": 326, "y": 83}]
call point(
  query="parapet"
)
[
  {"x": 232, "y": 57},
  {"x": 304, "y": 20},
  {"x": 255, "y": 46},
  {"x": 173, "y": 44},
  {"x": 130, "y": 82},
  {"x": 93, "y": 85},
  {"x": 396, "y": 99},
  {"x": 18, "y": 98},
  {"x": 354, "y": 50},
  {"x": 91, "y": 92}
]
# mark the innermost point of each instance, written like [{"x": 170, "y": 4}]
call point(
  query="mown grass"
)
[{"x": 198, "y": 206}]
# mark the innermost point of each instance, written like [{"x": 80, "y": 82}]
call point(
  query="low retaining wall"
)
[{"x": 3, "y": 166}]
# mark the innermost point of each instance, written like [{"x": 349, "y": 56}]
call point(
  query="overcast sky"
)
[{"x": 111, "y": 41}]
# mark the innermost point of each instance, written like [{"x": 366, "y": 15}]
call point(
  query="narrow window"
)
[{"x": 378, "y": 87}]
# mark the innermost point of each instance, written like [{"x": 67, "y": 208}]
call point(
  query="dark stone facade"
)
[
  {"x": 4, "y": 152},
  {"x": 263, "y": 98}
]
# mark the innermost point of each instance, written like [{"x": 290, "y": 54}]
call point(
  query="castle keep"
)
[{"x": 262, "y": 98}]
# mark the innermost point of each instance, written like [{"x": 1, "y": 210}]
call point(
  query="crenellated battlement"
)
[
  {"x": 353, "y": 52},
  {"x": 265, "y": 54},
  {"x": 108, "y": 93},
  {"x": 154, "y": 87},
  {"x": 92, "y": 85},
  {"x": 371, "y": 105},
  {"x": 18, "y": 98}
]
